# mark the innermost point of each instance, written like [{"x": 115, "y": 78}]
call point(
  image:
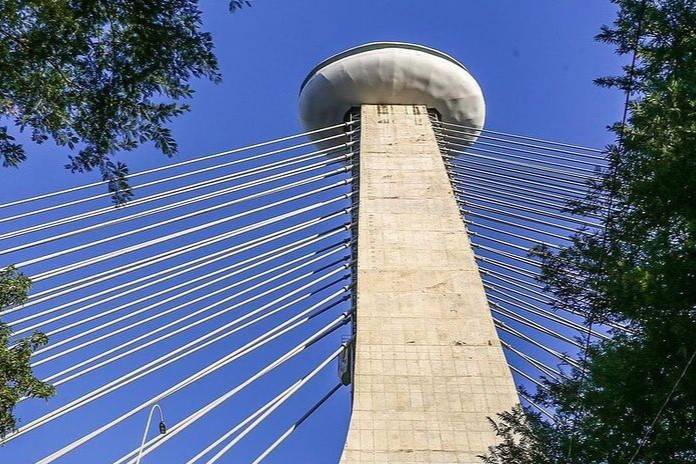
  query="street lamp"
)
[{"x": 162, "y": 429}]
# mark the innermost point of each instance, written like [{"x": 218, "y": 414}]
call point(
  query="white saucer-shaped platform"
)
[{"x": 390, "y": 73}]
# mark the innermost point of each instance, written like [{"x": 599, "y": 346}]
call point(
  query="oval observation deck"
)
[
  {"x": 390, "y": 73},
  {"x": 428, "y": 365}
]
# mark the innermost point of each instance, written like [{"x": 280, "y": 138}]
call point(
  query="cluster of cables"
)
[
  {"x": 514, "y": 194},
  {"x": 229, "y": 275}
]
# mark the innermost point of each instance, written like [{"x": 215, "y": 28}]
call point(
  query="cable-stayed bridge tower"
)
[
  {"x": 389, "y": 241},
  {"x": 429, "y": 368}
]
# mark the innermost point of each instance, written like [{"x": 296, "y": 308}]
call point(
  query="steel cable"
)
[{"x": 182, "y": 163}]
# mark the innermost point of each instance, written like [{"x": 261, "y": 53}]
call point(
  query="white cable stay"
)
[
  {"x": 541, "y": 200},
  {"x": 522, "y": 137},
  {"x": 541, "y": 367},
  {"x": 525, "y": 218},
  {"x": 560, "y": 356},
  {"x": 289, "y": 431},
  {"x": 464, "y": 171},
  {"x": 169, "y": 272},
  {"x": 299, "y": 227},
  {"x": 535, "y": 156},
  {"x": 179, "y": 190},
  {"x": 171, "y": 236},
  {"x": 87, "y": 262},
  {"x": 521, "y": 283},
  {"x": 476, "y": 214},
  {"x": 198, "y": 212},
  {"x": 560, "y": 175},
  {"x": 81, "y": 309},
  {"x": 491, "y": 192},
  {"x": 445, "y": 131},
  {"x": 109, "y": 354},
  {"x": 534, "y": 326},
  {"x": 518, "y": 176},
  {"x": 551, "y": 300},
  {"x": 187, "y": 267},
  {"x": 189, "y": 215},
  {"x": 535, "y": 241},
  {"x": 466, "y": 174},
  {"x": 537, "y": 407},
  {"x": 542, "y": 298},
  {"x": 241, "y": 424},
  {"x": 548, "y": 315},
  {"x": 501, "y": 194},
  {"x": 82, "y": 370},
  {"x": 524, "y": 161},
  {"x": 236, "y": 354},
  {"x": 182, "y": 268},
  {"x": 536, "y": 382},
  {"x": 179, "y": 427},
  {"x": 527, "y": 193},
  {"x": 518, "y": 168},
  {"x": 184, "y": 189},
  {"x": 507, "y": 266},
  {"x": 176, "y": 308},
  {"x": 548, "y": 300},
  {"x": 496, "y": 301},
  {"x": 299, "y": 384},
  {"x": 182, "y": 163},
  {"x": 563, "y": 217},
  {"x": 528, "y": 377},
  {"x": 164, "y": 301},
  {"x": 515, "y": 270},
  {"x": 506, "y": 254},
  {"x": 518, "y": 258},
  {"x": 499, "y": 242},
  {"x": 161, "y": 362}
]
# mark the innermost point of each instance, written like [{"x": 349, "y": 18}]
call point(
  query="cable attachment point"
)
[{"x": 346, "y": 361}]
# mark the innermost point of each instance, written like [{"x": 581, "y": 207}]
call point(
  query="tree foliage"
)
[
  {"x": 640, "y": 270},
  {"x": 16, "y": 377},
  {"x": 524, "y": 438},
  {"x": 99, "y": 76}
]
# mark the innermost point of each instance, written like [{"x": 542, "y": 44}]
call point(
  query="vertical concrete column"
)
[{"x": 429, "y": 366}]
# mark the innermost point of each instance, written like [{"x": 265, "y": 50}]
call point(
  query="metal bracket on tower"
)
[{"x": 346, "y": 361}]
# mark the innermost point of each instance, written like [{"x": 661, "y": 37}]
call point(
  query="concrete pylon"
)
[{"x": 429, "y": 368}]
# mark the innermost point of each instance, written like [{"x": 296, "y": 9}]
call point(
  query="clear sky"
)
[{"x": 534, "y": 60}]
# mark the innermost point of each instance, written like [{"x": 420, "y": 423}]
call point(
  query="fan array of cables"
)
[
  {"x": 222, "y": 265},
  {"x": 222, "y": 292},
  {"x": 514, "y": 193}
]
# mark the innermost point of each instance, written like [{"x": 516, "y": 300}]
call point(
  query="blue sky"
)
[{"x": 534, "y": 60}]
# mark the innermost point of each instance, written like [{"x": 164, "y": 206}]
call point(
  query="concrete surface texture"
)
[{"x": 429, "y": 366}]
